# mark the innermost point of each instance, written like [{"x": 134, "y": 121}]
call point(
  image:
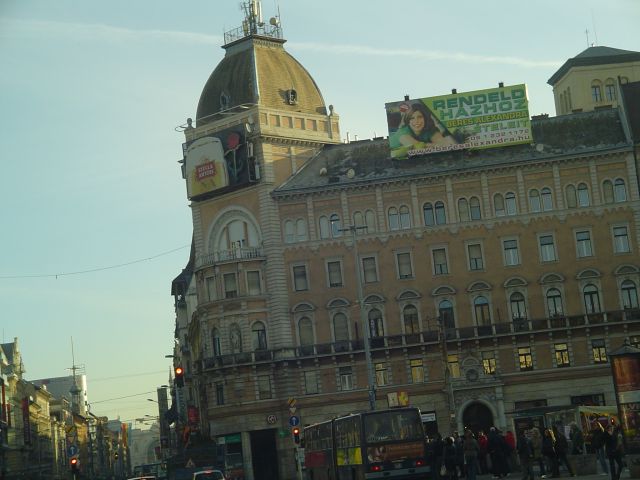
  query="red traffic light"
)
[
  {"x": 296, "y": 434},
  {"x": 296, "y": 431},
  {"x": 74, "y": 462},
  {"x": 179, "y": 371}
]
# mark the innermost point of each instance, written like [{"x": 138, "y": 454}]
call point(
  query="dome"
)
[{"x": 258, "y": 70}]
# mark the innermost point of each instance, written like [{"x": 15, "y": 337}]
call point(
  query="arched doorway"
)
[{"x": 476, "y": 417}]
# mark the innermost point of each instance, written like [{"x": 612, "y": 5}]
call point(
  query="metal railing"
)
[{"x": 233, "y": 254}]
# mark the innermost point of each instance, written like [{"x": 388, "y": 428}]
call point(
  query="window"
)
[
  {"x": 410, "y": 318},
  {"x": 300, "y": 283},
  {"x": 518, "y": 307},
  {"x": 562, "y": 355},
  {"x": 498, "y": 205},
  {"x": 593, "y": 400},
  {"x": 583, "y": 244},
  {"x": 629, "y": 294},
  {"x": 417, "y": 370},
  {"x": 441, "y": 216},
  {"x": 382, "y": 374},
  {"x": 211, "y": 288},
  {"x": 440, "y": 261},
  {"x": 323, "y": 222},
  {"x": 370, "y": 221},
  {"x": 230, "y": 285},
  {"x": 599, "y": 351},
  {"x": 547, "y": 199},
  {"x": 510, "y": 249},
  {"x": 547, "y": 248},
  {"x": 463, "y": 210},
  {"x": 369, "y": 269},
  {"x": 535, "y": 204},
  {"x": 474, "y": 205},
  {"x": 253, "y": 282},
  {"x": 510, "y": 203},
  {"x": 310, "y": 382},
  {"x": 607, "y": 191},
  {"x": 635, "y": 341},
  {"x": 525, "y": 359},
  {"x": 376, "y": 327},
  {"x": 259, "y": 336},
  {"x": 215, "y": 340},
  {"x": 235, "y": 338},
  {"x": 583, "y": 195},
  {"x": 554, "y": 302},
  {"x": 482, "y": 311},
  {"x": 346, "y": 378},
  {"x": 429, "y": 216},
  {"x": 334, "y": 272},
  {"x": 454, "y": 365},
  {"x": 289, "y": 232},
  {"x": 591, "y": 299},
  {"x": 405, "y": 218},
  {"x": 219, "y": 393},
  {"x": 340, "y": 327},
  {"x": 475, "y": 256},
  {"x": 404, "y": 265},
  {"x": 301, "y": 230},
  {"x": 610, "y": 92},
  {"x": 445, "y": 312},
  {"x": 305, "y": 329},
  {"x": 619, "y": 191},
  {"x": 572, "y": 198},
  {"x": 489, "y": 363},
  {"x": 596, "y": 93},
  {"x": 394, "y": 219},
  {"x": 621, "y": 240},
  {"x": 264, "y": 387},
  {"x": 336, "y": 226}
]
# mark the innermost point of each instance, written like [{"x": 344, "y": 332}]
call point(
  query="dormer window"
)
[
  {"x": 292, "y": 97},
  {"x": 225, "y": 100}
]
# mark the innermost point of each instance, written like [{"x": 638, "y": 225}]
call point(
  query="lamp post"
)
[{"x": 448, "y": 376}]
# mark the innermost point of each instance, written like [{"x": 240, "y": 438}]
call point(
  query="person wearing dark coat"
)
[
  {"x": 449, "y": 459},
  {"x": 614, "y": 446},
  {"x": 549, "y": 452},
  {"x": 562, "y": 447},
  {"x": 436, "y": 448},
  {"x": 524, "y": 447},
  {"x": 497, "y": 448}
]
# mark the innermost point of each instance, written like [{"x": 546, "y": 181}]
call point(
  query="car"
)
[{"x": 208, "y": 474}]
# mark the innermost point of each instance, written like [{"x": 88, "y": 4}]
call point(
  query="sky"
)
[{"x": 95, "y": 219}]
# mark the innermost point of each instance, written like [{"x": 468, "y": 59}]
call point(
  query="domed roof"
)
[{"x": 258, "y": 70}]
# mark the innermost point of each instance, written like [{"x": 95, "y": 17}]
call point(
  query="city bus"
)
[{"x": 366, "y": 446}]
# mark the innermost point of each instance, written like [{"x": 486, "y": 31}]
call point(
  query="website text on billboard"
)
[{"x": 489, "y": 118}]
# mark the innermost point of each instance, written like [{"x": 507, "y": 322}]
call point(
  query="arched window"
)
[
  {"x": 429, "y": 216},
  {"x": 324, "y": 227},
  {"x": 535, "y": 205},
  {"x": 441, "y": 215},
  {"x": 301, "y": 230},
  {"x": 518, "y": 307},
  {"x": 463, "y": 210},
  {"x": 305, "y": 329},
  {"x": 410, "y": 317},
  {"x": 583, "y": 195},
  {"x": 547, "y": 199},
  {"x": 498, "y": 205},
  {"x": 215, "y": 340},
  {"x": 619, "y": 191},
  {"x": 572, "y": 198},
  {"x": 358, "y": 222},
  {"x": 289, "y": 232},
  {"x": 370, "y": 220},
  {"x": 610, "y": 91},
  {"x": 629, "y": 294},
  {"x": 510, "y": 203},
  {"x": 596, "y": 92},
  {"x": 474, "y": 204},
  {"x": 591, "y": 299},
  {"x": 481, "y": 309},
  {"x": 259, "y": 336},
  {"x": 607, "y": 191},
  {"x": 336, "y": 225},
  {"x": 405, "y": 218},
  {"x": 445, "y": 312},
  {"x": 554, "y": 302},
  {"x": 235, "y": 338},
  {"x": 376, "y": 328},
  {"x": 340, "y": 327},
  {"x": 394, "y": 219}
]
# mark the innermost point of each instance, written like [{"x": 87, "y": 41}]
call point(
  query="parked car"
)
[{"x": 209, "y": 474}]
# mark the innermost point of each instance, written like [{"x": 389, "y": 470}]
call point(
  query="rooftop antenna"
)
[
  {"x": 595, "y": 32},
  {"x": 586, "y": 32}
]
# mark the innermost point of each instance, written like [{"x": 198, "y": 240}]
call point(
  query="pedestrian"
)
[
  {"x": 577, "y": 440},
  {"x": 549, "y": 452},
  {"x": 471, "y": 451},
  {"x": 497, "y": 448},
  {"x": 524, "y": 448},
  {"x": 450, "y": 472},
  {"x": 510, "y": 440},
  {"x": 562, "y": 447},
  {"x": 457, "y": 443},
  {"x": 482, "y": 456},
  {"x": 597, "y": 444},
  {"x": 536, "y": 442},
  {"x": 614, "y": 447},
  {"x": 437, "y": 448}
]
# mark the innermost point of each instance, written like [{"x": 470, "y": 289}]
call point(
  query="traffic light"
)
[
  {"x": 73, "y": 463},
  {"x": 296, "y": 435},
  {"x": 115, "y": 455},
  {"x": 179, "y": 371}
]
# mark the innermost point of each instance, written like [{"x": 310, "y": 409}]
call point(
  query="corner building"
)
[{"x": 491, "y": 282}]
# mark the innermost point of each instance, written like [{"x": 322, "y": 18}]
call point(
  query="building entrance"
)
[
  {"x": 476, "y": 417},
  {"x": 264, "y": 455}
]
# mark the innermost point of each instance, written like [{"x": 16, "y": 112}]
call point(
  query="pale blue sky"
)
[{"x": 90, "y": 93}]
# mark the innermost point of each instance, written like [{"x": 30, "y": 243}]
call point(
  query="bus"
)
[{"x": 366, "y": 446}]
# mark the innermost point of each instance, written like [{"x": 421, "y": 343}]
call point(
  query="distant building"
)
[{"x": 63, "y": 387}]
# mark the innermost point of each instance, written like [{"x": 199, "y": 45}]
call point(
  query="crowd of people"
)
[{"x": 533, "y": 453}]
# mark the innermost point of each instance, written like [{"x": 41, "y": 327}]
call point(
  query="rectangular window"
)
[
  {"x": 211, "y": 288},
  {"x": 369, "y": 269},
  {"x": 417, "y": 370},
  {"x": 610, "y": 92},
  {"x": 310, "y": 382},
  {"x": 382, "y": 374},
  {"x": 230, "y": 285},
  {"x": 440, "y": 261},
  {"x": 547, "y": 248},
  {"x": 404, "y": 265},
  {"x": 454, "y": 365},
  {"x": 596, "y": 93},
  {"x": 599, "y": 351},
  {"x": 334, "y": 271},
  {"x": 300, "y": 283},
  {"x": 510, "y": 250},
  {"x": 346, "y": 378},
  {"x": 475, "y": 256},
  {"x": 593, "y": 400},
  {"x": 489, "y": 363},
  {"x": 525, "y": 359},
  {"x": 562, "y": 355},
  {"x": 219, "y": 393},
  {"x": 253, "y": 282},
  {"x": 264, "y": 387},
  {"x": 621, "y": 240},
  {"x": 583, "y": 244}
]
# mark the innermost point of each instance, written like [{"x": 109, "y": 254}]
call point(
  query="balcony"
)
[{"x": 232, "y": 255}]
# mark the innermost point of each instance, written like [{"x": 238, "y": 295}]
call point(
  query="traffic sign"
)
[
  {"x": 72, "y": 450},
  {"x": 294, "y": 421}
]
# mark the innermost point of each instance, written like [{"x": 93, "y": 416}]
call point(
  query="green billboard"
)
[{"x": 495, "y": 117}]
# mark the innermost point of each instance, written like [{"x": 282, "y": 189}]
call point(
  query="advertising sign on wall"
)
[
  {"x": 626, "y": 379},
  {"x": 495, "y": 117},
  {"x": 216, "y": 162}
]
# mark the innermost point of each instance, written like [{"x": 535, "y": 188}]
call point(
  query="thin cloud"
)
[{"x": 423, "y": 54}]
